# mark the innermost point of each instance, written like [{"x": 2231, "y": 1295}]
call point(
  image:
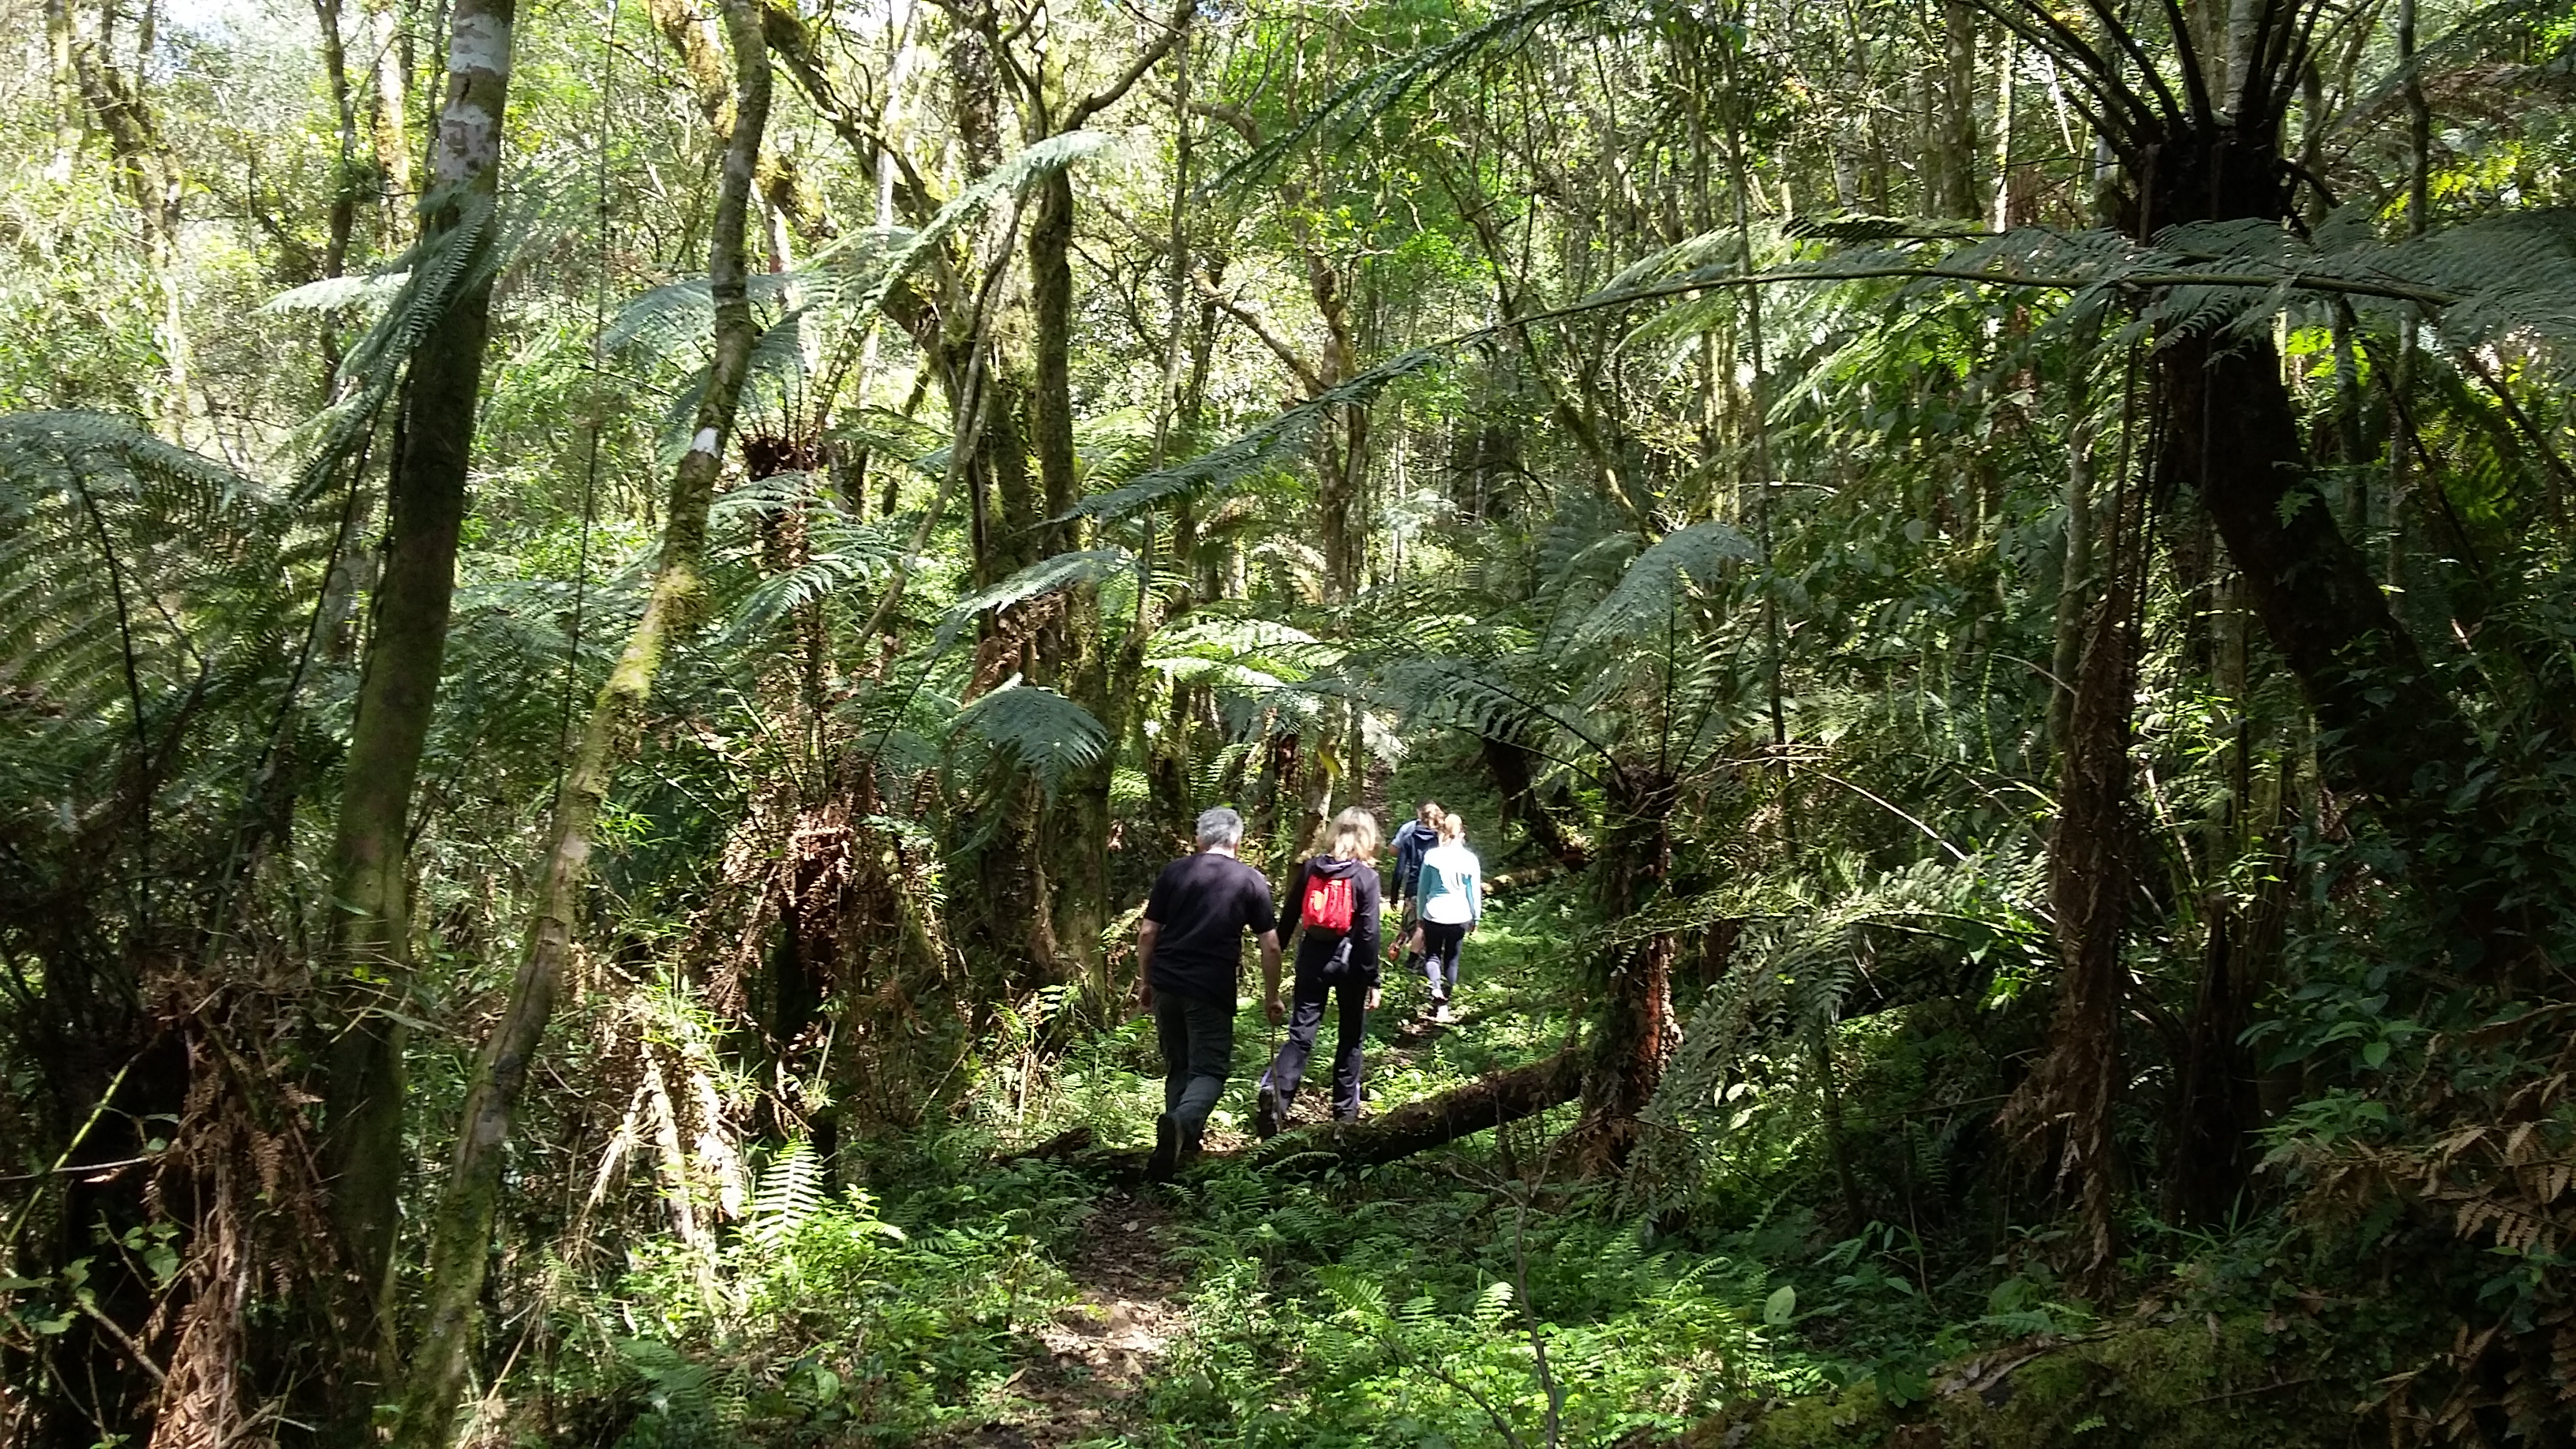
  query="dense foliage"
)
[{"x": 606, "y": 613}]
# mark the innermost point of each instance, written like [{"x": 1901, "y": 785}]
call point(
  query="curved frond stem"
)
[
  {"x": 2187, "y": 60},
  {"x": 1377, "y": 92},
  {"x": 247, "y": 827},
  {"x": 1889, "y": 806},
  {"x": 1536, "y": 709},
  {"x": 133, "y": 691},
  {"x": 2255, "y": 88},
  {"x": 2124, "y": 111},
  {"x": 2301, "y": 52},
  {"x": 2130, "y": 46}
]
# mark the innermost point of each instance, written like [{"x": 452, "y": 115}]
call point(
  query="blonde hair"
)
[
  {"x": 1453, "y": 827},
  {"x": 1355, "y": 835}
]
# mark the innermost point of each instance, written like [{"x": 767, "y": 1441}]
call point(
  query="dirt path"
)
[{"x": 1101, "y": 1346}]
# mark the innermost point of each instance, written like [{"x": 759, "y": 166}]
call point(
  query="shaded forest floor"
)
[{"x": 1127, "y": 1307}]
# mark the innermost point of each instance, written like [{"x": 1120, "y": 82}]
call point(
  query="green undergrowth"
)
[
  {"x": 830, "y": 1317},
  {"x": 1474, "y": 1296},
  {"x": 1439, "y": 1305},
  {"x": 2179, "y": 1382}
]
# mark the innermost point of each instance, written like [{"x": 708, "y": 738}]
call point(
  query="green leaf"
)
[{"x": 1781, "y": 1306}]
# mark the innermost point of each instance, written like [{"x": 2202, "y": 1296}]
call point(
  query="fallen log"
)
[{"x": 1492, "y": 1100}]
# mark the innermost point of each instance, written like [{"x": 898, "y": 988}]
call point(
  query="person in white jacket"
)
[{"x": 1450, "y": 899}]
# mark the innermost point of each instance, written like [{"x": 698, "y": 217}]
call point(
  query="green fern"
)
[
  {"x": 1256, "y": 451},
  {"x": 1653, "y": 585},
  {"x": 1039, "y": 729},
  {"x": 679, "y": 1397},
  {"x": 1013, "y": 177},
  {"x": 1362, "y": 101},
  {"x": 1052, "y": 575},
  {"x": 791, "y": 1192}
]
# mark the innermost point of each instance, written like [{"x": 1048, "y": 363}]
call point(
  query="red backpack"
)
[{"x": 1328, "y": 902}]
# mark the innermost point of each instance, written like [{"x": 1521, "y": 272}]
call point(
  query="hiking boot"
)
[
  {"x": 1167, "y": 1150},
  {"x": 1266, "y": 1112}
]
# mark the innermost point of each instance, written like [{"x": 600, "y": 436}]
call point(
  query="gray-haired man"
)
[{"x": 1189, "y": 967}]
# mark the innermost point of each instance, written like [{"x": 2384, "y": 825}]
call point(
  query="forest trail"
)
[
  {"x": 1124, "y": 1317},
  {"x": 1126, "y": 1311}
]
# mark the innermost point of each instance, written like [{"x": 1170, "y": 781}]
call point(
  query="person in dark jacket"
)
[
  {"x": 1189, "y": 969},
  {"x": 1337, "y": 898},
  {"x": 1412, "y": 839}
]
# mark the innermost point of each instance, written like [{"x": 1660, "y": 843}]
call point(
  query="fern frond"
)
[
  {"x": 330, "y": 294},
  {"x": 1652, "y": 587},
  {"x": 1013, "y": 177},
  {"x": 1363, "y": 100},
  {"x": 1047, "y": 576},
  {"x": 1045, "y": 733},
  {"x": 791, "y": 1192},
  {"x": 1233, "y": 462}
]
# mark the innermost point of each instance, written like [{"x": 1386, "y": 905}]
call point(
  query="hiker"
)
[
  {"x": 1336, "y": 897},
  {"x": 1450, "y": 895},
  {"x": 1411, "y": 839},
  {"x": 1189, "y": 968}
]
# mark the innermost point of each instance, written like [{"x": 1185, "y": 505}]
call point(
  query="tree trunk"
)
[
  {"x": 65, "y": 81},
  {"x": 1634, "y": 1029},
  {"x": 385, "y": 119},
  {"x": 1955, "y": 115},
  {"x": 362, "y": 1152},
  {"x": 2075, "y": 575},
  {"x": 1074, "y": 654},
  {"x": 156, "y": 182},
  {"x": 1010, "y": 920},
  {"x": 1494, "y": 1100},
  {"x": 461, "y": 1234},
  {"x": 2067, "y": 1100},
  {"x": 343, "y": 218},
  {"x": 1509, "y": 764}
]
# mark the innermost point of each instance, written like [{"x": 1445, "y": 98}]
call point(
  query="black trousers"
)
[
  {"x": 1440, "y": 957},
  {"x": 1305, "y": 1019},
  {"x": 1197, "y": 1035}
]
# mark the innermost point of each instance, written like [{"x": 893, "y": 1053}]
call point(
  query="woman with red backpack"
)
[{"x": 1335, "y": 896}]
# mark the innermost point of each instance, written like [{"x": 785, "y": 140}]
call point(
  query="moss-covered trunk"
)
[
  {"x": 362, "y": 1150},
  {"x": 461, "y": 1233}
]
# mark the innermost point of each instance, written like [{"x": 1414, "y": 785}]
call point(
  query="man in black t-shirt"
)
[{"x": 1189, "y": 965}]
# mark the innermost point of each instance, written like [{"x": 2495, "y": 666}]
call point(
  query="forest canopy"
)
[{"x": 611, "y": 612}]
